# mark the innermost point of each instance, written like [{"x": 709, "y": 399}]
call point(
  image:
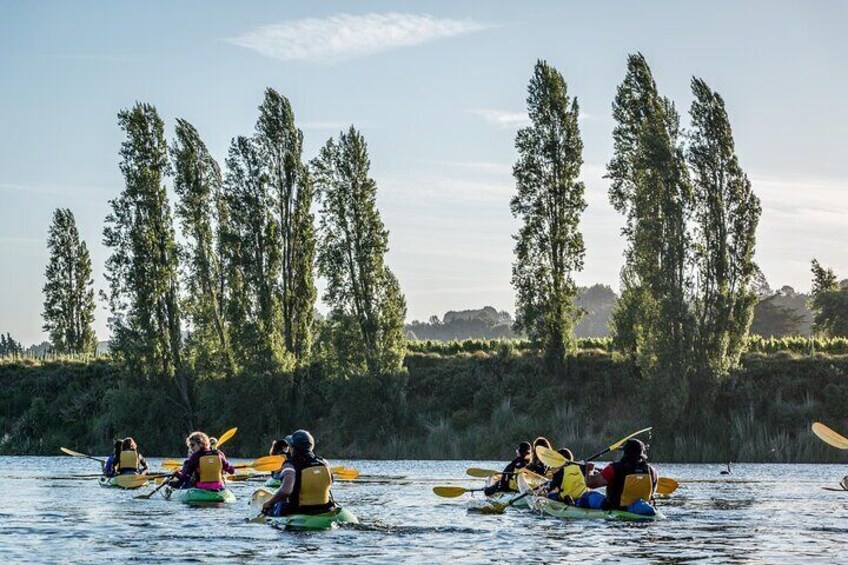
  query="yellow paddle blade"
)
[
  {"x": 344, "y": 473},
  {"x": 550, "y": 457},
  {"x": 172, "y": 464},
  {"x": 131, "y": 481},
  {"x": 449, "y": 492},
  {"x": 226, "y": 436},
  {"x": 241, "y": 477},
  {"x": 666, "y": 485},
  {"x": 480, "y": 473},
  {"x": 264, "y": 464},
  {"x": 620, "y": 442},
  {"x": 72, "y": 453},
  {"x": 829, "y": 436}
]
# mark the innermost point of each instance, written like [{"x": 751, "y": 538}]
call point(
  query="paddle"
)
[
  {"x": 264, "y": 464},
  {"x": 226, "y": 436},
  {"x": 666, "y": 486},
  {"x": 72, "y": 453},
  {"x": 617, "y": 444},
  {"x": 344, "y": 473},
  {"x": 132, "y": 481},
  {"x": 154, "y": 491},
  {"x": 259, "y": 498},
  {"x": 486, "y": 473},
  {"x": 453, "y": 492},
  {"x": 828, "y": 436}
]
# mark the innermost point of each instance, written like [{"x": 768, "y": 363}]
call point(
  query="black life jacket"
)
[
  {"x": 507, "y": 482},
  {"x": 622, "y": 469},
  {"x": 321, "y": 500}
]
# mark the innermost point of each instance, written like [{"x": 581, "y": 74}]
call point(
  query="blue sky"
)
[{"x": 438, "y": 90}]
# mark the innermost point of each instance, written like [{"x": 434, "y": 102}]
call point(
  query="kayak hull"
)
[
  {"x": 272, "y": 483},
  {"x": 323, "y": 521},
  {"x": 569, "y": 512},
  {"x": 201, "y": 496},
  {"x": 111, "y": 482}
]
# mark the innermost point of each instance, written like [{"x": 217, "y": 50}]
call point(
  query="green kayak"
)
[
  {"x": 201, "y": 496},
  {"x": 568, "y": 512},
  {"x": 272, "y": 483},
  {"x": 130, "y": 482},
  {"x": 323, "y": 521}
]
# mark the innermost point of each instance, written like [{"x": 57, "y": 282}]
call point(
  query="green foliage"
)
[
  {"x": 365, "y": 324},
  {"x": 726, "y": 214},
  {"x": 200, "y": 208},
  {"x": 549, "y": 247},
  {"x": 280, "y": 146},
  {"x": 9, "y": 347},
  {"x": 830, "y": 303},
  {"x": 142, "y": 270},
  {"x": 68, "y": 293}
]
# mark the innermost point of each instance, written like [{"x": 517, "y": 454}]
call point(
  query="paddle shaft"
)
[{"x": 154, "y": 491}]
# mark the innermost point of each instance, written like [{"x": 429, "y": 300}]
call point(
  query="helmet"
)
[
  {"x": 524, "y": 448},
  {"x": 635, "y": 449},
  {"x": 303, "y": 440}
]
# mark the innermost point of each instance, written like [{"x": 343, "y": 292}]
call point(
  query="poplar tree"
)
[
  {"x": 198, "y": 184},
  {"x": 549, "y": 201},
  {"x": 829, "y": 303},
  {"x": 68, "y": 292},
  {"x": 280, "y": 145},
  {"x": 252, "y": 261},
  {"x": 367, "y": 307},
  {"x": 650, "y": 187},
  {"x": 142, "y": 270},
  {"x": 726, "y": 214}
]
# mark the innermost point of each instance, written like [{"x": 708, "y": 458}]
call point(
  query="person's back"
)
[
  {"x": 631, "y": 479},
  {"x": 129, "y": 459},
  {"x": 306, "y": 481}
]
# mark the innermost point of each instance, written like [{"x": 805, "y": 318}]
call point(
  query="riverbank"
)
[{"x": 446, "y": 406}]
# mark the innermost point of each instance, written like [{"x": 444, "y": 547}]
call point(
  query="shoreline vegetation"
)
[
  {"x": 213, "y": 320},
  {"x": 454, "y": 401}
]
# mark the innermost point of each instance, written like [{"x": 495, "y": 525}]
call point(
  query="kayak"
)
[
  {"x": 111, "y": 482},
  {"x": 323, "y": 521},
  {"x": 570, "y": 512},
  {"x": 272, "y": 483},
  {"x": 201, "y": 496},
  {"x": 500, "y": 498}
]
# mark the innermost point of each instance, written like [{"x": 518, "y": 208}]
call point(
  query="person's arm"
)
[
  {"x": 601, "y": 479},
  {"x": 189, "y": 467},
  {"x": 142, "y": 464},
  {"x": 225, "y": 465},
  {"x": 285, "y": 490}
]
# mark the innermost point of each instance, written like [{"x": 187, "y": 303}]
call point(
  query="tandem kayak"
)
[
  {"x": 113, "y": 482},
  {"x": 323, "y": 521},
  {"x": 569, "y": 512},
  {"x": 201, "y": 496}
]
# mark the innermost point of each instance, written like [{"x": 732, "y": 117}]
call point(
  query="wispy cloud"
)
[
  {"x": 502, "y": 118},
  {"x": 346, "y": 36},
  {"x": 507, "y": 119},
  {"x": 336, "y": 125}
]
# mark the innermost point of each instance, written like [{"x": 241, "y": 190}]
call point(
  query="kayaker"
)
[
  {"x": 507, "y": 482},
  {"x": 536, "y": 464},
  {"x": 130, "y": 461},
  {"x": 630, "y": 481},
  {"x": 279, "y": 447},
  {"x": 205, "y": 467},
  {"x": 568, "y": 484},
  {"x": 109, "y": 467},
  {"x": 306, "y": 481}
]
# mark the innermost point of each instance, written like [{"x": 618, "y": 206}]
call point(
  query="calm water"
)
[{"x": 761, "y": 513}]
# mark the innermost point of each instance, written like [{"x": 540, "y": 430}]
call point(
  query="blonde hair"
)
[{"x": 198, "y": 437}]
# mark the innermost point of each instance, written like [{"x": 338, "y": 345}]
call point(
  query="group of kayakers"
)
[
  {"x": 630, "y": 482},
  {"x": 305, "y": 479}
]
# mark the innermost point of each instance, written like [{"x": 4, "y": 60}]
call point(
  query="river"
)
[{"x": 760, "y": 513}]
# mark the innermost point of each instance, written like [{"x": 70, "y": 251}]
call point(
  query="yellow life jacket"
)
[
  {"x": 637, "y": 487},
  {"x": 128, "y": 460},
  {"x": 210, "y": 469},
  {"x": 315, "y": 483},
  {"x": 573, "y": 482}
]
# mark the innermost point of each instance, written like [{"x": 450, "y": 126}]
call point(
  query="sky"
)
[{"x": 438, "y": 89}]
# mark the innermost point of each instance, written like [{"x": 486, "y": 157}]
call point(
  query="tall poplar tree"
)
[
  {"x": 280, "y": 145},
  {"x": 252, "y": 261},
  {"x": 650, "y": 187},
  {"x": 68, "y": 292},
  {"x": 198, "y": 184},
  {"x": 367, "y": 305},
  {"x": 549, "y": 201},
  {"x": 142, "y": 270},
  {"x": 726, "y": 214},
  {"x": 829, "y": 303}
]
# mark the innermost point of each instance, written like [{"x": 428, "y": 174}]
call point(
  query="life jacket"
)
[
  {"x": 570, "y": 481},
  {"x": 509, "y": 480},
  {"x": 128, "y": 460},
  {"x": 313, "y": 479},
  {"x": 632, "y": 481},
  {"x": 210, "y": 468}
]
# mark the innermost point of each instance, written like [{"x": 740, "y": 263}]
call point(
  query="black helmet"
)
[
  {"x": 302, "y": 440},
  {"x": 635, "y": 449},
  {"x": 524, "y": 448}
]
